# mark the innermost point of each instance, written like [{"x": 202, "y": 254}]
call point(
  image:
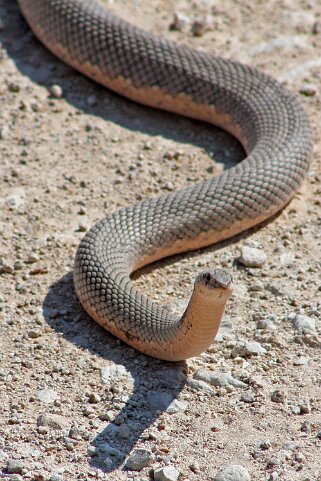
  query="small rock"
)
[
  {"x": 311, "y": 340},
  {"x": 243, "y": 349},
  {"x": 94, "y": 398},
  {"x": 82, "y": 227},
  {"x": 4, "y": 132},
  {"x": 287, "y": 259},
  {"x": 264, "y": 444},
  {"x": 218, "y": 378},
  {"x": 201, "y": 386},
  {"x": 257, "y": 286},
  {"x": 168, "y": 473},
  {"x": 14, "y": 87},
  {"x": 273, "y": 476},
  {"x": 92, "y": 100},
  {"x": 54, "y": 421},
  {"x": 233, "y": 472},
  {"x": 140, "y": 458},
  {"x": 105, "y": 448},
  {"x": 266, "y": 325},
  {"x": 46, "y": 396},
  {"x": 14, "y": 466},
  {"x": 303, "y": 324},
  {"x": 306, "y": 427},
  {"x": 113, "y": 373},
  {"x": 200, "y": 26},
  {"x": 305, "y": 407},
  {"x": 56, "y": 91},
  {"x": 252, "y": 257},
  {"x": 301, "y": 361},
  {"x": 34, "y": 334},
  {"x": 6, "y": 267},
  {"x": 278, "y": 396},
  {"x": 180, "y": 22},
  {"x": 32, "y": 258},
  {"x": 309, "y": 90},
  {"x": 316, "y": 28},
  {"x": 248, "y": 397},
  {"x": 177, "y": 407},
  {"x": 216, "y": 425}
]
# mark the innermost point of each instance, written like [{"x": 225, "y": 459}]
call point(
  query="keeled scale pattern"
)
[{"x": 272, "y": 123}]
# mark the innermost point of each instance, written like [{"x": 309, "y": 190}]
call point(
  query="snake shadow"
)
[
  {"x": 139, "y": 387},
  {"x": 153, "y": 384}
]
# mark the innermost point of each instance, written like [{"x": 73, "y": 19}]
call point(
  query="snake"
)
[{"x": 260, "y": 112}]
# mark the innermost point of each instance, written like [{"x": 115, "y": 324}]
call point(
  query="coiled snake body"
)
[{"x": 264, "y": 116}]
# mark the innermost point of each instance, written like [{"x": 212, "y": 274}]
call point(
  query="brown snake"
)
[{"x": 263, "y": 115}]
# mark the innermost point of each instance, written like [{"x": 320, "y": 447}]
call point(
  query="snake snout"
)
[{"x": 214, "y": 279}]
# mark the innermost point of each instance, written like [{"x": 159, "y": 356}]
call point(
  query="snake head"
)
[{"x": 218, "y": 282}]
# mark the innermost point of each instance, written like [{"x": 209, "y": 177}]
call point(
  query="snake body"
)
[{"x": 262, "y": 114}]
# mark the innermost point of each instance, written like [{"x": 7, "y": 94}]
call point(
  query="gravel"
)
[{"x": 75, "y": 401}]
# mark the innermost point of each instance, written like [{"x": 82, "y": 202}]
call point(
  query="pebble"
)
[
  {"x": 94, "y": 398},
  {"x": 140, "y": 458},
  {"x": 114, "y": 372},
  {"x": 56, "y": 91},
  {"x": 218, "y": 378},
  {"x": 180, "y": 22},
  {"x": 233, "y": 472},
  {"x": 287, "y": 259},
  {"x": 257, "y": 286},
  {"x": 46, "y": 396},
  {"x": 14, "y": 466},
  {"x": 266, "y": 325},
  {"x": 200, "y": 26},
  {"x": 316, "y": 28},
  {"x": 278, "y": 396},
  {"x": 216, "y": 425},
  {"x": 309, "y": 90},
  {"x": 54, "y": 421},
  {"x": 252, "y": 257},
  {"x": 264, "y": 444},
  {"x": 304, "y": 406},
  {"x": 105, "y": 448},
  {"x": 177, "y": 407},
  {"x": 167, "y": 473},
  {"x": 32, "y": 258},
  {"x": 243, "y": 349},
  {"x": 248, "y": 397},
  {"x": 4, "y": 132},
  {"x": 6, "y": 267},
  {"x": 201, "y": 386},
  {"x": 303, "y": 324},
  {"x": 92, "y": 100}
]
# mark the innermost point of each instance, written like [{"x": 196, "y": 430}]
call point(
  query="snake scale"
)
[{"x": 266, "y": 118}]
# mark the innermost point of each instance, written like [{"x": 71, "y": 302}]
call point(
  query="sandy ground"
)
[{"x": 64, "y": 164}]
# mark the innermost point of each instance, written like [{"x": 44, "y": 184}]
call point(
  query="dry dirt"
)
[{"x": 64, "y": 164}]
